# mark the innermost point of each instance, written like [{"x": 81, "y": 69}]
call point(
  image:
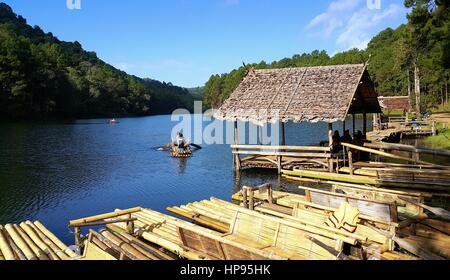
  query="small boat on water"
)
[{"x": 113, "y": 121}]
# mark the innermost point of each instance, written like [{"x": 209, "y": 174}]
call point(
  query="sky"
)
[{"x": 186, "y": 41}]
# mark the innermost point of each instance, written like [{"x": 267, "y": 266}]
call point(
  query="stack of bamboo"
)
[
  {"x": 31, "y": 241},
  {"x": 409, "y": 231},
  {"x": 155, "y": 229},
  {"x": 114, "y": 243}
]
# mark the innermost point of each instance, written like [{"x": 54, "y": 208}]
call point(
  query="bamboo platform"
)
[
  {"x": 413, "y": 232},
  {"x": 32, "y": 241}
]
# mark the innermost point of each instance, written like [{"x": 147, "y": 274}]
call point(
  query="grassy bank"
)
[{"x": 440, "y": 141}]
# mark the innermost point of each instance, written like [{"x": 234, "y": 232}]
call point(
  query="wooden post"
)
[
  {"x": 434, "y": 128},
  {"x": 237, "y": 159},
  {"x": 251, "y": 200},
  {"x": 354, "y": 125},
  {"x": 279, "y": 165},
  {"x": 343, "y": 128},
  {"x": 130, "y": 226},
  {"x": 330, "y": 139},
  {"x": 283, "y": 143},
  {"x": 270, "y": 194},
  {"x": 283, "y": 134},
  {"x": 78, "y": 241},
  {"x": 365, "y": 124},
  {"x": 350, "y": 161},
  {"x": 330, "y": 133},
  {"x": 244, "y": 197}
]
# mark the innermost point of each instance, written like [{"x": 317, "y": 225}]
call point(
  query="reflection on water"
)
[{"x": 61, "y": 171}]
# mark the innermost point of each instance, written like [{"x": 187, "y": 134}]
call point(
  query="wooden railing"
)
[{"x": 282, "y": 155}]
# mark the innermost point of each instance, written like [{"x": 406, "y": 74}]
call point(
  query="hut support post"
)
[
  {"x": 237, "y": 159},
  {"x": 330, "y": 134},
  {"x": 283, "y": 143},
  {"x": 344, "y": 127},
  {"x": 330, "y": 139},
  {"x": 365, "y": 124},
  {"x": 350, "y": 161},
  {"x": 354, "y": 125}
]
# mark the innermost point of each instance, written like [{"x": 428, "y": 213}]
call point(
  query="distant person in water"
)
[{"x": 336, "y": 145}]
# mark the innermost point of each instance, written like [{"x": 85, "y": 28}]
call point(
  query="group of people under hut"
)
[{"x": 359, "y": 139}]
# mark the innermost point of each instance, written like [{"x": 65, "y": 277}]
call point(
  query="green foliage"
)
[
  {"x": 41, "y": 76},
  {"x": 440, "y": 141},
  {"x": 425, "y": 40}
]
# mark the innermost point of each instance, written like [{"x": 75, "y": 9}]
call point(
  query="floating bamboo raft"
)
[
  {"x": 181, "y": 153},
  {"x": 32, "y": 241}
]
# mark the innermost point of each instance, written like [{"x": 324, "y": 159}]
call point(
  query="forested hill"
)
[
  {"x": 421, "y": 46},
  {"x": 42, "y": 77}
]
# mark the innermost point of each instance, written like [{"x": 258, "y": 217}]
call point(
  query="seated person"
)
[
  {"x": 347, "y": 138},
  {"x": 180, "y": 142},
  {"x": 336, "y": 146}
]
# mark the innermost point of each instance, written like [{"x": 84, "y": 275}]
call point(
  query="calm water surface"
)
[{"x": 62, "y": 171}]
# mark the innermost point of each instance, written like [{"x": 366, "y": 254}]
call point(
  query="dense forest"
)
[
  {"x": 43, "y": 77},
  {"x": 413, "y": 59}
]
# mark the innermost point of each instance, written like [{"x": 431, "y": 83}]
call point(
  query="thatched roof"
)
[
  {"x": 309, "y": 94},
  {"x": 395, "y": 103}
]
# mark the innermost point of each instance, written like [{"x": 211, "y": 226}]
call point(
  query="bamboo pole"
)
[
  {"x": 237, "y": 160},
  {"x": 5, "y": 248},
  {"x": 36, "y": 250},
  {"x": 38, "y": 241},
  {"x": 145, "y": 248},
  {"x": 20, "y": 242},
  {"x": 80, "y": 222},
  {"x": 58, "y": 252},
  {"x": 130, "y": 251},
  {"x": 406, "y": 148},
  {"x": 376, "y": 152},
  {"x": 17, "y": 252},
  {"x": 171, "y": 246},
  {"x": 55, "y": 240},
  {"x": 350, "y": 162},
  {"x": 330, "y": 134}
]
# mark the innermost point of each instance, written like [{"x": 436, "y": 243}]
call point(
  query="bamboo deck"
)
[{"x": 414, "y": 232}]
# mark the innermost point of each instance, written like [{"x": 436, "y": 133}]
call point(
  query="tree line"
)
[
  {"x": 413, "y": 59},
  {"x": 43, "y": 77}
]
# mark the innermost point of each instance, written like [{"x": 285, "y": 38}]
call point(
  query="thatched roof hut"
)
[
  {"x": 393, "y": 103},
  {"x": 307, "y": 94}
]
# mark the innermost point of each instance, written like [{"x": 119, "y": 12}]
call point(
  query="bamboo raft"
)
[
  {"x": 32, "y": 241},
  {"x": 398, "y": 230},
  {"x": 181, "y": 153}
]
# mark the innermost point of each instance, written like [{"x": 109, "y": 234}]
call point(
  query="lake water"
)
[{"x": 55, "y": 172}]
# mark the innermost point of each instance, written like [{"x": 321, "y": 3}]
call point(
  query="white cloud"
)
[
  {"x": 334, "y": 17},
  {"x": 356, "y": 33},
  {"x": 351, "y": 23}
]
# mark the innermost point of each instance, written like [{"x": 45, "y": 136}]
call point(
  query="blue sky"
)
[{"x": 185, "y": 41}]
